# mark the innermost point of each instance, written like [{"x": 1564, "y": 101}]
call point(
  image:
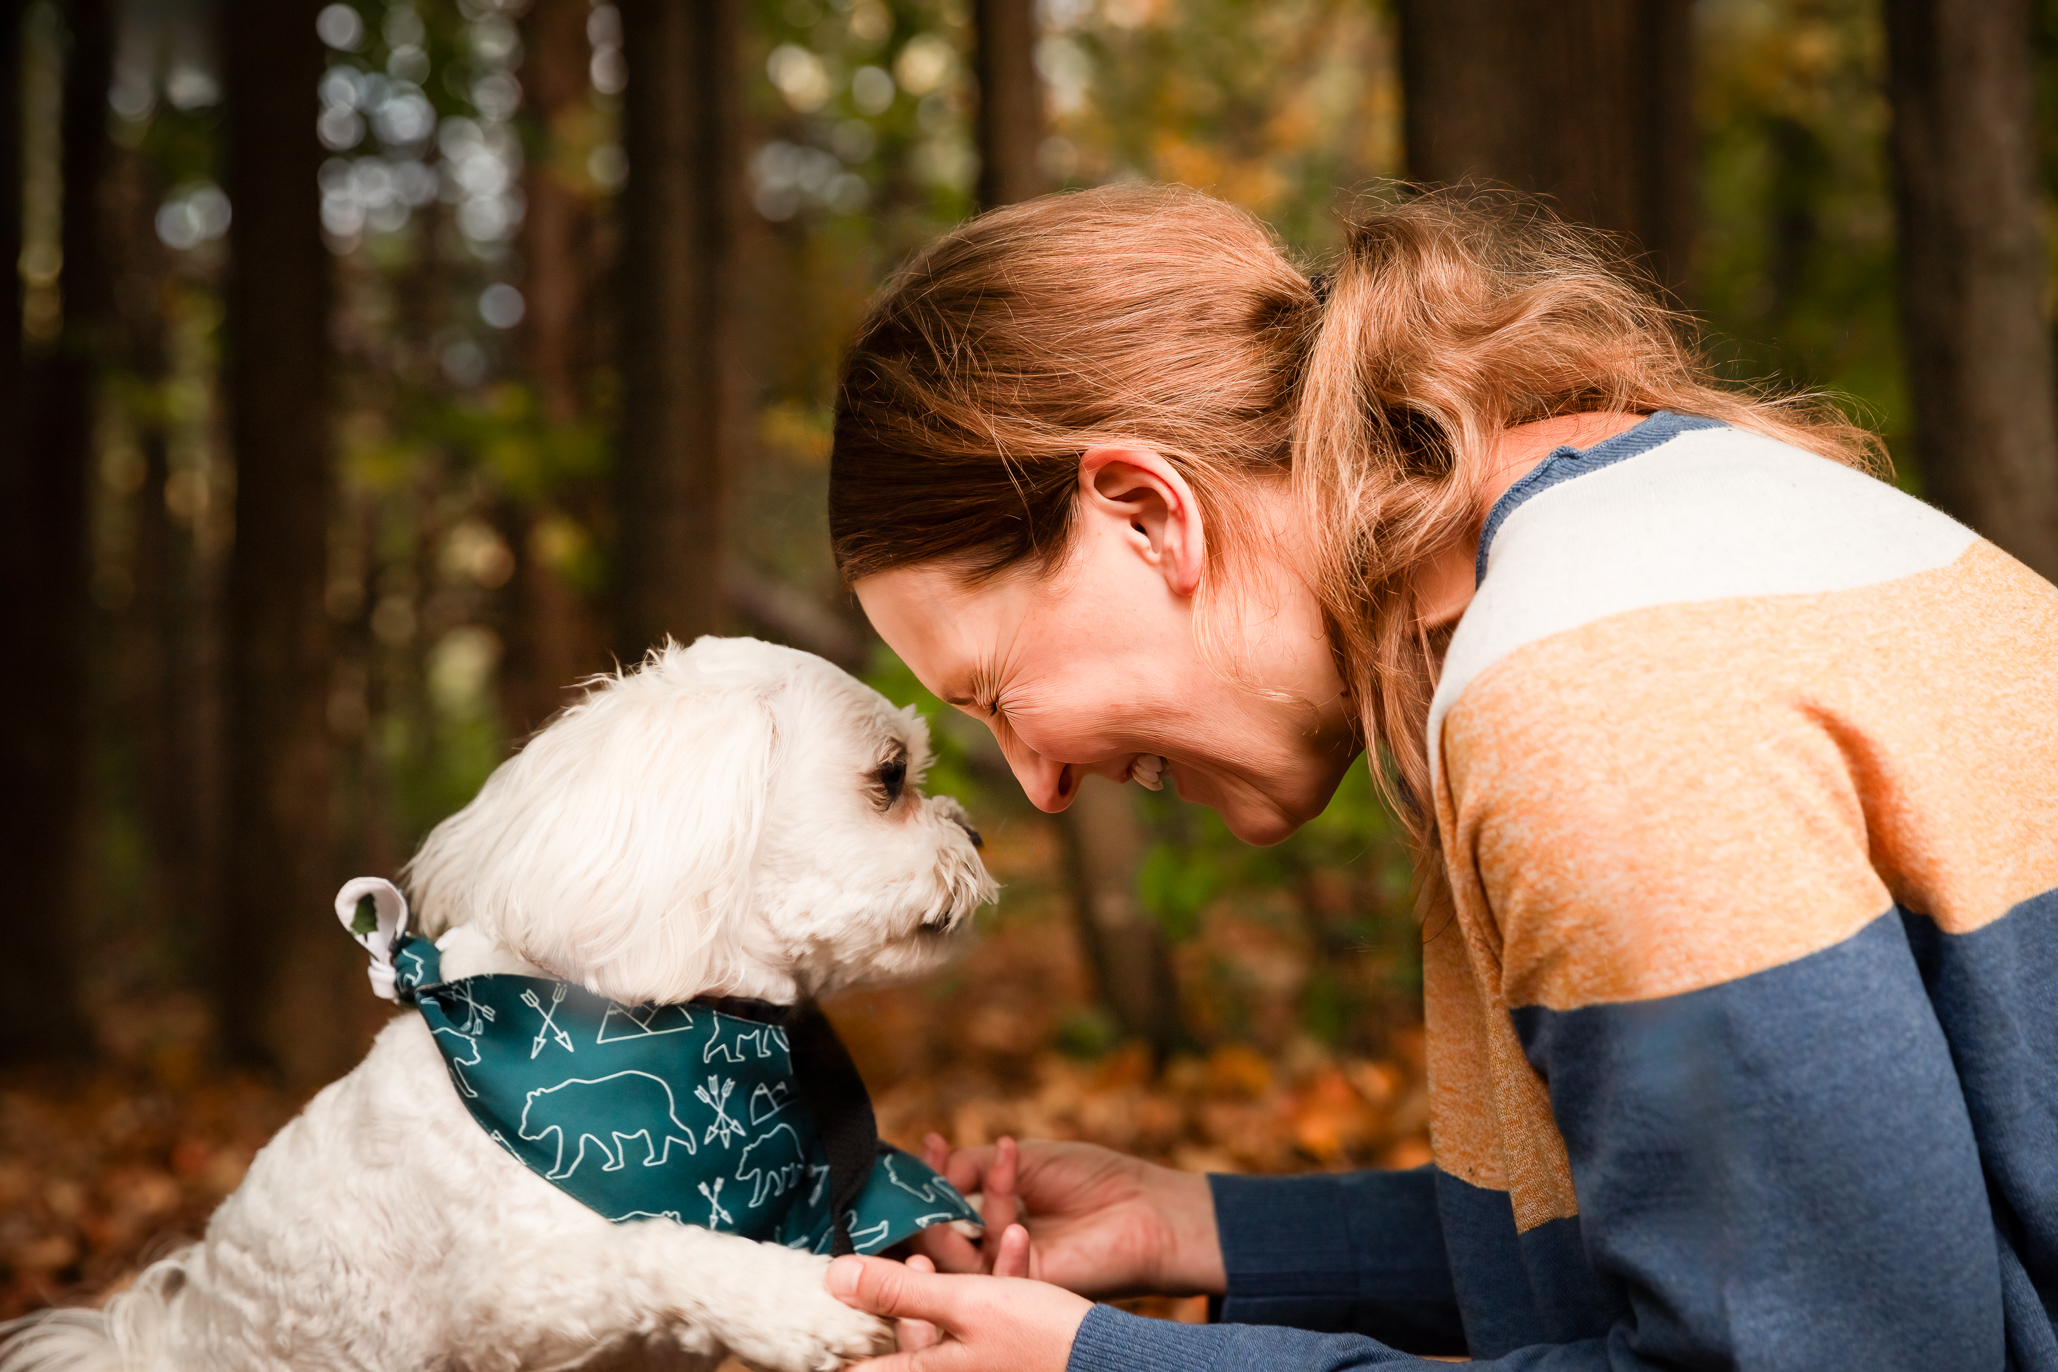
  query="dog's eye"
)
[{"x": 893, "y": 779}]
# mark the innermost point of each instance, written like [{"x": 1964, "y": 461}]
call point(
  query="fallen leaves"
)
[{"x": 106, "y": 1166}]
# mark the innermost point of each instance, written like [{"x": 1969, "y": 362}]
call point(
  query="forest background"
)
[{"x": 380, "y": 369}]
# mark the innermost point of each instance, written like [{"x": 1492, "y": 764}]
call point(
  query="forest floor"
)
[{"x": 107, "y": 1166}]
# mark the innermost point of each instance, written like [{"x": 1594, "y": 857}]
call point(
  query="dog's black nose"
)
[{"x": 972, "y": 834}]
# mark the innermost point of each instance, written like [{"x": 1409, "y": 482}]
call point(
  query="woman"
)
[{"x": 1733, "y": 774}]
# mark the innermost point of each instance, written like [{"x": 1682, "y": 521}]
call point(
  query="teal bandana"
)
[{"x": 682, "y": 1111}]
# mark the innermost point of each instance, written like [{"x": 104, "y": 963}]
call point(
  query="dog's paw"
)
[{"x": 809, "y": 1330}]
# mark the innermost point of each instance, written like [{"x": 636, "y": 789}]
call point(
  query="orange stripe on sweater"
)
[{"x": 1673, "y": 798}]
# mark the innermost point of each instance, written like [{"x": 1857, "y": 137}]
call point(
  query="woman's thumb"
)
[{"x": 881, "y": 1286}]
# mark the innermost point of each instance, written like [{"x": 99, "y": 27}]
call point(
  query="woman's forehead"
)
[{"x": 946, "y": 630}]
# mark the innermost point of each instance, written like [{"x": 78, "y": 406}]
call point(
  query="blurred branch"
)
[{"x": 796, "y": 617}]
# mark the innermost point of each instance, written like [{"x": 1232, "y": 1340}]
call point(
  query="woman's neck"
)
[{"x": 1445, "y": 585}]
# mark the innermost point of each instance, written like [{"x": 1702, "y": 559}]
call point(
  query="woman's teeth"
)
[{"x": 1148, "y": 771}]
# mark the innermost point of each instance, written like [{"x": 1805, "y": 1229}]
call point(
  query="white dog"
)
[{"x": 734, "y": 819}]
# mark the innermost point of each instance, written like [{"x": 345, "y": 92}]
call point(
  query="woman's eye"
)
[{"x": 893, "y": 778}]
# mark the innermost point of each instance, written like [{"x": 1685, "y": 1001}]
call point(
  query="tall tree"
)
[
  {"x": 680, "y": 131},
  {"x": 1102, "y": 836},
  {"x": 284, "y": 972},
  {"x": 1010, "y": 120},
  {"x": 47, "y": 466},
  {"x": 550, "y": 630},
  {"x": 1972, "y": 267},
  {"x": 1589, "y": 102}
]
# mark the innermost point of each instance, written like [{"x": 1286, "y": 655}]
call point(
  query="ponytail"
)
[{"x": 1453, "y": 316}]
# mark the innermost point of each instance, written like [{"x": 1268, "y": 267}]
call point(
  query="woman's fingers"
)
[
  {"x": 1001, "y": 1201},
  {"x": 948, "y": 1249},
  {"x": 908, "y": 1335},
  {"x": 1011, "y": 1253},
  {"x": 966, "y": 1168},
  {"x": 986, "y": 1324}
]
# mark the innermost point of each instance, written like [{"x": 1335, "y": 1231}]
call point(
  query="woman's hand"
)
[
  {"x": 960, "y": 1323},
  {"x": 1102, "y": 1223}
]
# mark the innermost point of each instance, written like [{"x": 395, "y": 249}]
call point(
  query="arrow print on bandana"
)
[
  {"x": 716, "y": 1215},
  {"x": 549, "y": 1029},
  {"x": 715, "y": 1096},
  {"x": 476, "y": 1016}
]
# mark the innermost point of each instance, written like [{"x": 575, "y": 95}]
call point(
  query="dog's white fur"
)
[{"x": 715, "y": 822}]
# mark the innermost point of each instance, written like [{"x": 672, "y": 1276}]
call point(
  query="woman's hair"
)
[{"x": 1158, "y": 316}]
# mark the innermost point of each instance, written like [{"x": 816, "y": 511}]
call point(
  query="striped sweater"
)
[{"x": 1744, "y": 1037}]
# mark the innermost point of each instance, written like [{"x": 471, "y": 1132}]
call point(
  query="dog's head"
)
[{"x": 731, "y": 818}]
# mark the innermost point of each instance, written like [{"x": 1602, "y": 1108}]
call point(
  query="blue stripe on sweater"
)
[
  {"x": 1847, "y": 1161},
  {"x": 1780, "y": 1170}
]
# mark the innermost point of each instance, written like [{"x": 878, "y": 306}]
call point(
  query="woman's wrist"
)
[{"x": 1191, "y": 1260}]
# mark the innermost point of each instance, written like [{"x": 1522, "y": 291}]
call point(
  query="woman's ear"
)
[{"x": 1140, "y": 490}]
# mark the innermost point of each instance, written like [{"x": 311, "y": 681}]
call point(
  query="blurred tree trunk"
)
[
  {"x": 549, "y": 631},
  {"x": 1103, "y": 839},
  {"x": 1104, "y": 845},
  {"x": 284, "y": 970},
  {"x": 1587, "y": 101},
  {"x": 1010, "y": 128},
  {"x": 161, "y": 695},
  {"x": 48, "y": 467},
  {"x": 1972, "y": 267},
  {"x": 680, "y": 131}
]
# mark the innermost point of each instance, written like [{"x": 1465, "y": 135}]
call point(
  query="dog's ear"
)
[{"x": 617, "y": 848}]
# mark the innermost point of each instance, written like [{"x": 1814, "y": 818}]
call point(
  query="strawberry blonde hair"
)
[{"x": 1160, "y": 317}]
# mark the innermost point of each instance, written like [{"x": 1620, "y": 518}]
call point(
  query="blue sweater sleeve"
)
[
  {"x": 1776, "y": 1171},
  {"x": 1358, "y": 1252},
  {"x": 1112, "y": 1341}
]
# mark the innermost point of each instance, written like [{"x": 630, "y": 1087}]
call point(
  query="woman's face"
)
[{"x": 1097, "y": 665}]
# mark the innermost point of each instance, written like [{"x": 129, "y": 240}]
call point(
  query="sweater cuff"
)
[
  {"x": 1111, "y": 1340},
  {"x": 1358, "y": 1252}
]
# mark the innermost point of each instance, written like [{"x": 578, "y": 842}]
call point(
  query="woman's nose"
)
[{"x": 1049, "y": 785}]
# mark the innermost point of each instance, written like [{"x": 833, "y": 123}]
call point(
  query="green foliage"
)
[
  {"x": 1272, "y": 106},
  {"x": 1177, "y": 882},
  {"x": 1196, "y": 860},
  {"x": 1796, "y": 270},
  {"x": 1090, "y": 1033},
  {"x": 1341, "y": 883}
]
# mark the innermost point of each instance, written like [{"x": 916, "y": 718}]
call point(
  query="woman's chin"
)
[
  {"x": 1261, "y": 825},
  {"x": 1262, "y": 820}
]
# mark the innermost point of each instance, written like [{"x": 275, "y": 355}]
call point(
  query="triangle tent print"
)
[{"x": 642, "y": 1022}]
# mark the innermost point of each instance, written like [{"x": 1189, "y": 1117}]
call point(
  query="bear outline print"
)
[{"x": 659, "y": 1125}]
